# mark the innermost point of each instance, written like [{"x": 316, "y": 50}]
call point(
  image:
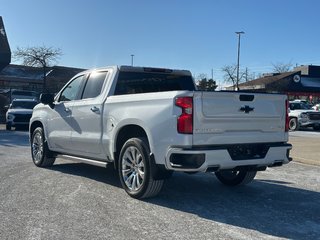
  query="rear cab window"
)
[{"x": 147, "y": 82}]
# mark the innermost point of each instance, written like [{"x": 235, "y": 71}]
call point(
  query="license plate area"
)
[{"x": 248, "y": 151}]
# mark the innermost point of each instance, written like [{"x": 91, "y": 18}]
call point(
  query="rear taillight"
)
[
  {"x": 287, "y": 116},
  {"x": 185, "y": 120}
]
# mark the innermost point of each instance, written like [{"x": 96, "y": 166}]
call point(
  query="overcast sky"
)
[{"x": 195, "y": 35}]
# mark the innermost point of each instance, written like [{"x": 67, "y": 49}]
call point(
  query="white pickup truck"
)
[
  {"x": 150, "y": 122},
  {"x": 302, "y": 115}
]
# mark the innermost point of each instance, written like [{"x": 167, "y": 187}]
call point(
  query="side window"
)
[
  {"x": 71, "y": 92},
  {"x": 291, "y": 106},
  {"x": 94, "y": 85}
]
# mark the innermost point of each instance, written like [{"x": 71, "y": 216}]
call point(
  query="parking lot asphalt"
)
[
  {"x": 306, "y": 146},
  {"x": 77, "y": 201}
]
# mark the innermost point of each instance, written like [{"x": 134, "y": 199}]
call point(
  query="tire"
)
[
  {"x": 293, "y": 124},
  {"x": 316, "y": 128},
  {"x": 41, "y": 155},
  {"x": 134, "y": 168},
  {"x": 8, "y": 127},
  {"x": 234, "y": 178}
]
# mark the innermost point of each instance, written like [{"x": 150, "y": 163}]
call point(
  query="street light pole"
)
[
  {"x": 238, "y": 64},
  {"x": 132, "y": 55}
]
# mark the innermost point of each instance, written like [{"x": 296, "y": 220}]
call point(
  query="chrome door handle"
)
[{"x": 94, "y": 109}]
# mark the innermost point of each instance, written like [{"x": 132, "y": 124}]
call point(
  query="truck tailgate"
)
[{"x": 235, "y": 117}]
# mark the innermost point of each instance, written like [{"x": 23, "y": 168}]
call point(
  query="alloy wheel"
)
[{"x": 133, "y": 171}]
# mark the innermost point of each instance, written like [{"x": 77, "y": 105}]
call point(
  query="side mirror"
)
[{"x": 47, "y": 98}]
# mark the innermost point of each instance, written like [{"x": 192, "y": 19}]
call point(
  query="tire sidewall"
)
[
  {"x": 240, "y": 178},
  {"x": 295, "y": 126},
  {"x": 225, "y": 177},
  {"x": 38, "y": 130},
  {"x": 142, "y": 146}
]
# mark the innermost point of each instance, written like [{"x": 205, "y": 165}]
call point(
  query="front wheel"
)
[
  {"x": 41, "y": 155},
  {"x": 135, "y": 170},
  {"x": 234, "y": 178},
  {"x": 316, "y": 127},
  {"x": 293, "y": 124}
]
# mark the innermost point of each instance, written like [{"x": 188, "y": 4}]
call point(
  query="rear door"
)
[
  {"x": 87, "y": 114},
  {"x": 235, "y": 117}
]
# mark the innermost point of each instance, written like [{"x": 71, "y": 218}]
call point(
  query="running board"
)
[{"x": 84, "y": 160}]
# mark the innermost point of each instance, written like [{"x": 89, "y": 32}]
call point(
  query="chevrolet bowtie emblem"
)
[{"x": 246, "y": 109}]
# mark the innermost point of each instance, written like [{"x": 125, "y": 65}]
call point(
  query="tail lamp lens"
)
[
  {"x": 287, "y": 116},
  {"x": 185, "y": 120}
]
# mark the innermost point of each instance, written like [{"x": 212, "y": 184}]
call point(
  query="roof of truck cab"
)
[
  {"x": 154, "y": 70},
  {"x": 142, "y": 69}
]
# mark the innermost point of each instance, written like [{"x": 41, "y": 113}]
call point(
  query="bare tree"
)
[
  {"x": 247, "y": 75},
  {"x": 280, "y": 67},
  {"x": 230, "y": 74},
  {"x": 38, "y": 57}
]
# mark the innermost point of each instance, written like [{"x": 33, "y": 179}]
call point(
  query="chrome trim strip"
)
[{"x": 84, "y": 160}]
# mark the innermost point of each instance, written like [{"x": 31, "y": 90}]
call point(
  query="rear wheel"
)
[
  {"x": 293, "y": 124},
  {"x": 135, "y": 169},
  {"x": 316, "y": 127},
  {"x": 41, "y": 155},
  {"x": 234, "y": 178}
]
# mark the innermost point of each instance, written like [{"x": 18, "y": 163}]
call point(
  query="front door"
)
[{"x": 60, "y": 122}]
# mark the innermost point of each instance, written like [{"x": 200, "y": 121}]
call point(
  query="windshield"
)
[
  {"x": 299, "y": 106},
  {"x": 22, "y": 104}
]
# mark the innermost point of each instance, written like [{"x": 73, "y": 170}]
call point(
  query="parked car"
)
[
  {"x": 302, "y": 115},
  {"x": 24, "y": 94},
  {"x": 316, "y": 107},
  {"x": 20, "y": 112},
  {"x": 149, "y": 122}
]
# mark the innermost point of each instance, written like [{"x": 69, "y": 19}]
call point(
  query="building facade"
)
[
  {"x": 301, "y": 83},
  {"x": 19, "y": 77},
  {"x": 31, "y": 78}
]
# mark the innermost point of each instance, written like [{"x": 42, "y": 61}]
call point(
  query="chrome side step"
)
[{"x": 84, "y": 160}]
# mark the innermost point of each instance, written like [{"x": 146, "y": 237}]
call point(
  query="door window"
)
[
  {"x": 71, "y": 92},
  {"x": 94, "y": 85}
]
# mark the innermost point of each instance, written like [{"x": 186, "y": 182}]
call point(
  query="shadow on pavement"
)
[
  {"x": 267, "y": 206},
  {"x": 14, "y": 138},
  {"x": 106, "y": 175}
]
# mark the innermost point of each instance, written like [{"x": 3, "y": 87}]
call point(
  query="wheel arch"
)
[
  {"x": 126, "y": 132},
  {"x": 34, "y": 125}
]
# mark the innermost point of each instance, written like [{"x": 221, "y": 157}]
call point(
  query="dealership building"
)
[{"x": 302, "y": 82}]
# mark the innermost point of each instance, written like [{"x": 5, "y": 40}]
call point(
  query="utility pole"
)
[
  {"x": 132, "y": 55},
  {"x": 246, "y": 74},
  {"x": 238, "y": 63}
]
